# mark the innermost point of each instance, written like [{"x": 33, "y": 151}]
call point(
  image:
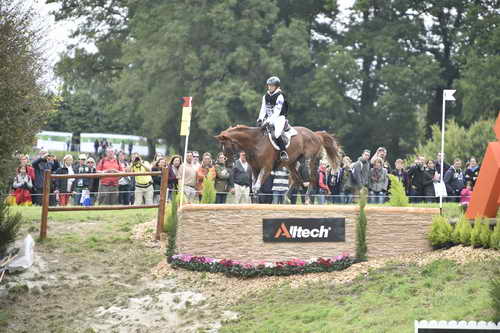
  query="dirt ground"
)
[{"x": 112, "y": 277}]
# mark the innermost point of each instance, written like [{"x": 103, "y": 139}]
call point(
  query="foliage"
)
[
  {"x": 208, "y": 194},
  {"x": 485, "y": 234},
  {"x": 245, "y": 270},
  {"x": 462, "y": 231},
  {"x": 9, "y": 227},
  {"x": 441, "y": 232},
  {"x": 495, "y": 237},
  {"x": 475, "y": 239},
  {"x": 460, "y": 142},
  {"x": 361, "y": 224},
  {"x": 171, "y": 226},
  {"x": 22, "y": 96},
  {"x": 398, "y": 197}
]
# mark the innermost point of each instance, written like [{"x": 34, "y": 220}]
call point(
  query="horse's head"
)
[{"x": 228, "y": 145}]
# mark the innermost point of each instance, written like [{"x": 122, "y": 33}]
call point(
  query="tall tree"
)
[{"x": 22, "y": 96}]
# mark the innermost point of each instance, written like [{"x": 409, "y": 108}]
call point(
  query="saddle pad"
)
[{"x": 288, "y": 137}]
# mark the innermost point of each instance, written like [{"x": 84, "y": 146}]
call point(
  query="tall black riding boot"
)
[{"x": 281, "y": 145}]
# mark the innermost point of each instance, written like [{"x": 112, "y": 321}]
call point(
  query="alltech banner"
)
[{"x": 304, "y": 230}]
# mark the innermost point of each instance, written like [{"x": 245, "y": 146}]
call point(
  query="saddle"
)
[{"x": 287, "y": 135}]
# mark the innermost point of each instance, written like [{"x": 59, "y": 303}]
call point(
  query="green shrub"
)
[
  {"x": 361, "y": 222},
  {"x": 398, "y": 197},
  {"x": 208, "y": 193},
  {"x": 171, "y": 227},
  {"x": 495, "y": 237},
  {"x": 9, "y": 227},
  {"x": 455, "y": 235},
  {"x": 465, "y": 233},
  {"x": 441, "y": 232},
  {"x": 485, "y": 234},
  {"x": 475, "y": 239}
]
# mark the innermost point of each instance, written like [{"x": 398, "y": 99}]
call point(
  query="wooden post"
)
[
  {"x": 45, "y": 204},
  {"x": 163, "y": 201}
]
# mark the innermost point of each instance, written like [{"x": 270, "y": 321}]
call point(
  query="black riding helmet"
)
[{"x": 273, "y": 80}]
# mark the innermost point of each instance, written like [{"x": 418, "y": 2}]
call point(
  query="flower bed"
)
[{"x": 248, "y": 270}]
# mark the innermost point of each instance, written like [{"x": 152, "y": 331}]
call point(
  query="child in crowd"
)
[
  {"x": 23, "y": 185},
  {"x": 465, "y": 196}
]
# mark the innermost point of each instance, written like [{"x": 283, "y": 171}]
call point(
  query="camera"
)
[{"x": 137, "y": 159}]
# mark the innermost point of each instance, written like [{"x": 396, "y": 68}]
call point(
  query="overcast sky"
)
[{"x": 57, "y": 37}]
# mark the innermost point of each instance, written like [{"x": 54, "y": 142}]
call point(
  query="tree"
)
[{"x": 24, "y": 103}]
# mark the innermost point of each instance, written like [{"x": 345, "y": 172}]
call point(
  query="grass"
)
[{"x": 387, "y": 300}]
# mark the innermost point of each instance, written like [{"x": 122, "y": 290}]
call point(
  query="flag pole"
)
[
  {"x": 185, "y": 129},
  {"x": 447, "y": 96}
]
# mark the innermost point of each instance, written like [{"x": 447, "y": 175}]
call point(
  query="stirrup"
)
[{"x": 283, "y": 155}]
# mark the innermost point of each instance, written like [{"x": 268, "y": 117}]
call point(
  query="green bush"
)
[
  {"x": 475, "y": 236},
  {"x": 9, "y": 227},
  {"x": 208, "y": 193},
  {"x": 461, "y": 232},
  {"x": 485, "y": 234},
  {"x": 495, "y": 237},
  {"x": 398, "y": 197},
  {"x": 361, "y": 223},
  {"x": 171, "y": 226},
  {"x": 441, "y": 232}
]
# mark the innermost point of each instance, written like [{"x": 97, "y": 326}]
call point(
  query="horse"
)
[{"x": 305, "y": 147}]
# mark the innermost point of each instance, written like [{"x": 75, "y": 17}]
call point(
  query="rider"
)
[{"x": 274, "y": 111}]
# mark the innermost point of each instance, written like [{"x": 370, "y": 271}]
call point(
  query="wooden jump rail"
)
[{"x": 48, "y": 176}]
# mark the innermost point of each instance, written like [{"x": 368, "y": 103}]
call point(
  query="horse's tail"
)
[{"x": 331, "y": 147}]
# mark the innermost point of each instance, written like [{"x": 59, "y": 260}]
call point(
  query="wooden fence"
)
[{"x": 47, "y": 180}]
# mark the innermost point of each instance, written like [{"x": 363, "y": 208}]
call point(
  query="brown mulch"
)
[
  {"x": 145, "y": 232},
  {"x": 231, "y": 289}
]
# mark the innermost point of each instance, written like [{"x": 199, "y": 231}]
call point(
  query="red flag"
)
[{"x": 187, "y": 101}]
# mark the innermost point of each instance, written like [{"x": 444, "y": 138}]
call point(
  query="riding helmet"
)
[{"x": 274, "y": 80}]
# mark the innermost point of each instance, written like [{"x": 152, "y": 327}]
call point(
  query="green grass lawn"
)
[{"x": 387, "y": 300}]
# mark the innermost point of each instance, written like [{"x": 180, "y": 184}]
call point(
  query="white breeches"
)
[{"x": 279, "y": 124}]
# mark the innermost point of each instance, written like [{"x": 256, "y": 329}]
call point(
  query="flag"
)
[
  {"x": 448, "y": 95},
  {"x": 186, "y": 116}
]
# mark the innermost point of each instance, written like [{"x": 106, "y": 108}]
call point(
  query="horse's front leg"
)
[{"x": 259, "y": 180}]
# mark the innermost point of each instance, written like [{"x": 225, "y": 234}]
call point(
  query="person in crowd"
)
[
  {"x": 346, "y": 182},
  {"x": 400, "y": 172},
  {"x": 361, "y": 172},
  {"x": 96, "y": 147},
  {"x": 323, "y": 189},
  {"x": 472, "y": 172},
  {"x": 280, "y": 185},
  {"x": 174, "y": 174},
  {"x": 454, "y": 180},
  {"x": 64, "y": 186},
  {"x": 124, "y": 183},
  {"x": 81, "y": 184},
  {"x": 196, "y": 159},
  {"x": 334, "y": 183},
  {"x": 108, "y": 186},
  {"x": 122, "y": 146},
  {"x": 430, "y": 177},
  {"x": 93, "y": 182},
  {"x": 241, "y": 178},
  {"x": 382, "y": 154},
  {"x": 416, "y": 180},
  {"x": 265, "y": 195},
  {"x": 24, "y": 161},
  {"x": 222, "y": 179},
  {"x": 188, "y": 171},
  {"x": 144, "y": 190},
  {"x": 157, "y": 165},
  {"x": 437, "y": 163},
  {"x": 465, "y": 196},
  {"x": 130, "y": 148},
  {"x": 378, "y": 182},
  {"x": 40, "y": 164},
  {"x": 22, "y": 186},
  {"x": 206, "y": 170}
]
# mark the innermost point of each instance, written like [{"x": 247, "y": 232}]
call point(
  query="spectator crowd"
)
[{"x": 335, "y": 185}]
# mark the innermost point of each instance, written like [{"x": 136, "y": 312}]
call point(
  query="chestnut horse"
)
[{"x": 305, "y": 147}]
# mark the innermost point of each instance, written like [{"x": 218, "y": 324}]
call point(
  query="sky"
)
[{"x": 58, "y": 33}]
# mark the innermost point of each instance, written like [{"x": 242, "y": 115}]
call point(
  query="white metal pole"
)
[{"x": 442, "y": 156}]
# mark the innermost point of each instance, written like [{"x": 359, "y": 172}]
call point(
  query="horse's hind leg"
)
[{"x": 313, "y": 177}]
